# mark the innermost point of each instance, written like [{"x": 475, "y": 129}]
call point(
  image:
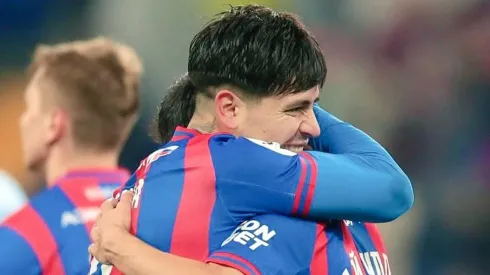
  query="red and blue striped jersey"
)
[
  {"x": 194, "y": 191},
  {"x": 50, "y": 234},
  {"x": 191, "y": 193},
  {"x": 272, "y": 244}
]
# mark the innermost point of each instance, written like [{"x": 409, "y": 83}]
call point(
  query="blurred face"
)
[
  {"x": 38, "y": 130},
  {"x": 288, "y": 120}
]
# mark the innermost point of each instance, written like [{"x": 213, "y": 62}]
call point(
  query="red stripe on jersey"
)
[
  {"x": 74, "y": 189},
  {"x": 319, "y": 262},
  {"x": 352, "y": 252},
  {"x": 376, "y": 237},
  {"x": 115, "y": 271},
  {"x": 379, "y": 245},
  {"x": 30, "y": 226},
  {"x": 196, "y": 202},
  {"x": 232, "y": 265},
  {"x": 177, "y": 138},
  {"x": 311, "y": 185},
  {"x": 238, "y": 259},
  {"x": 301, "y": 183}
]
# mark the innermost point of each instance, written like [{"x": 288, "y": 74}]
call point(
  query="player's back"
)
[
  {"x": 50, "y": 234},
  {"x": 175, "y": 207},
  {"x": 198, "y": 187}
]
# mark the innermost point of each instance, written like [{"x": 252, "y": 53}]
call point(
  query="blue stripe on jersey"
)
[
  {"x": 337, "y": 258},
  {"x": 220, "y": 226},
  {"x": 361, "y": 237},
  {"x": 372, "y": 263},
  {"x": 161, "y": 194},
  {"x": 98, "y": 271},
  {"x": 304, "y": 192},
  {"x": 28, "y": 261},
  {"x": 52, "y": 206},
  {"x": 130, "y": 182}
]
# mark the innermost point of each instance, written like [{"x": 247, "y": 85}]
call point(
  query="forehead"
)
[{"x": 309, "y": 96}]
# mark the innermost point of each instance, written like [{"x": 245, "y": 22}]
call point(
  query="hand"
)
[{"x": 113, "y": 222}]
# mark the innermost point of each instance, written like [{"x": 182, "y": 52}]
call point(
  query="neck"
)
[
  {"x": 203, "y": 122},
  {"x": 60, "y": 163}
]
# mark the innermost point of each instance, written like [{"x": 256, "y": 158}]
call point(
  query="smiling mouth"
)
[{"x": 294, "y": 147}]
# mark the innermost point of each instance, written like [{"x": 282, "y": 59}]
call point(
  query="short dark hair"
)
[
  {"x": 258, "y": 50},
  {"x": 176, "y": 109},
  {"x": 253, "y": 48}
]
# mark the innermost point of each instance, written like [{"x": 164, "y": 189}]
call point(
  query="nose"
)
[{"x": 310, "y": 126}]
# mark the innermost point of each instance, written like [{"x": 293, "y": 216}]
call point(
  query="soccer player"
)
[
  {"x": 82, "y": 100},
  {"x": 207, "y": 184}
]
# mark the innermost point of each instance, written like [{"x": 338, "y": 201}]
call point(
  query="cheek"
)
[
  {"x": 285, "y": 129},
  {"x": 31, "y": 128},
  {"x": 24, "y": 123}
]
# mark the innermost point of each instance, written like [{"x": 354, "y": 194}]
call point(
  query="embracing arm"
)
[
  {"x": 134, "y": 257},
  {"x": 358, "y": 179}
]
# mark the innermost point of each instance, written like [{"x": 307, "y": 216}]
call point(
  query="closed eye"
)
[{"x": 296, "y": 109}]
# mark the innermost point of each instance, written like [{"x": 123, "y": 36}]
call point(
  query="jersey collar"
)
[
  {"x": 119, "y": 174},
  {"x": 184, "y": 133}
]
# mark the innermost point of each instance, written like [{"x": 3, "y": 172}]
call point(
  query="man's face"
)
[
  {"x": 288, "y": 120},
  {"x": 34, "y": 125}
]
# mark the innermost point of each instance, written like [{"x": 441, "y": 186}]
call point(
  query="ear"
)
[
  {"x": 56, "y": 126},
  {"x": 228, "y": 110}
]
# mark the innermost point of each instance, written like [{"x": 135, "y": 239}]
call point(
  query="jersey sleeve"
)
[
  {"x": 268, "y": 244},
  {"x": 354, "y": 184},
  {"x": 16, "y": 255}
]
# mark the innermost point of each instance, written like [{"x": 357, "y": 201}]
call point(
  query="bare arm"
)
[
  {"x": 134, "y": 257},
  {"x": 115, "y": 245}
]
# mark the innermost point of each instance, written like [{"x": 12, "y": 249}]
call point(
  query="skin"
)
[
  {"x": 259, "y": 119},
  {"x": 229, "y": 113},
  {"x": 49, "y": 147}
]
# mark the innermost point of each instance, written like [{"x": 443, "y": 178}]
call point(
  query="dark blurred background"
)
[{"x": 415, "y": 74}]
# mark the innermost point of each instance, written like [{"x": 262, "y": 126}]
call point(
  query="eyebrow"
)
[{"x": 302, "y": 103}]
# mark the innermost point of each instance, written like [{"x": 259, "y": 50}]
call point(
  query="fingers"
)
[
  {"x": 108, "y": 205},
  {"x": 126, "y": 201},
  {"x": 92, "y": 249},
  {"x": 114, "y": 202},
  {"x": 94, "y": 234}
]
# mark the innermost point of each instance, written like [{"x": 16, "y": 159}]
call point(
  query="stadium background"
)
[{"x": 415, "y": 74}]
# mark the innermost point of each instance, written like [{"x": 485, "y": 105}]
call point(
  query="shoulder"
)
[{"x": 241, "y": 155}]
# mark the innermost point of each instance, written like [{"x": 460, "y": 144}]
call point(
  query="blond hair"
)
[{"x": 97, "y": 82}]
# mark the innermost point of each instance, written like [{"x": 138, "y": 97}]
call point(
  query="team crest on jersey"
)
[{"x": 273, "y": 146}]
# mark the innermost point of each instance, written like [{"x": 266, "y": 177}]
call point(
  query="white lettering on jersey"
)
[
  {"x": 356, "y": 267},
  {"x": 252, "y": 234},
  {"x": 273, "y": 146},
  {"x": 79, "y": 216},
  {"x": 157, "y": 154},
  {"x": 348, "y": 223},
  {"x": 372, "y": 261},
  {"x": 104, "y": 268},
  {"x": 137, "y": 192},
  {"x": 145, "y": 165}
]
